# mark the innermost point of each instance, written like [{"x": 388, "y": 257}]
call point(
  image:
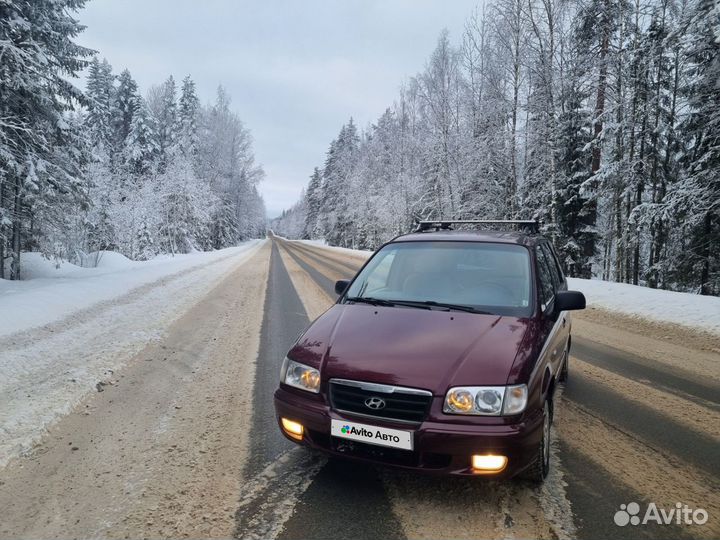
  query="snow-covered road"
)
[{"x": 61, "y": 337}]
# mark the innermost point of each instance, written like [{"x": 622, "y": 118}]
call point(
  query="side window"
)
[
  {"x": 547, "y": 286},
  {"x": 559, "y": 266},
  {"x": 557, "y": 276}
]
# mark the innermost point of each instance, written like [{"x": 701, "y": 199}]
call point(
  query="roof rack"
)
[{"x": 531, "y": 225}]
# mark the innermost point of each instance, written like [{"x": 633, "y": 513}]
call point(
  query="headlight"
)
[
  {"x": 486, "y": 400},
  {"x": 459, "y": 400},
  {"x": 489, "y": 400},
  {"x": 300, "y": 376}
]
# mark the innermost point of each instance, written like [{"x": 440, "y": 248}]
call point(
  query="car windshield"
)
[{"x": 467, "y": 276}]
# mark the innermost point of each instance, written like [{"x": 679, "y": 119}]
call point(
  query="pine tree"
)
[
  {"x": 37, "y": 166},
  {"x": 696, "y": 196},
  {"x": 123, "y": 110},
  {"x": 574, "y": 163},
  {"x": 188, "y": 115},
  {"x": 339, "y": 165},
  {"x": 166, "y": 121},
  {"x": 100, "y": 96},
  {"x": 141, "y": 149},
  {"x": 597, "y": 25},
  {"x": 313, "y": 198}
]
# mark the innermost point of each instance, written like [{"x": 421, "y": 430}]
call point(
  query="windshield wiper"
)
[
  {"x": 370, "y": 300},
  {"x": 387, "y": 303},
  {"x": 456, "y": 307},
  {"x": 424, "y": 304}
]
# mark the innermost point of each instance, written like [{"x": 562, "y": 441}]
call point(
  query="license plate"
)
[{"x": 381, "y": 436}]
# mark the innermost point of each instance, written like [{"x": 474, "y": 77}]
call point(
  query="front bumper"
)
[{"x": 439, "y": 448}]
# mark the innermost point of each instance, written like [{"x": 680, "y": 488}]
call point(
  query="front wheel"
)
[{"x": 538, "y": 471}]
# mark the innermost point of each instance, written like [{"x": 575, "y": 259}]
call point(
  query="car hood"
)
[{"x": 419, "y": 348}]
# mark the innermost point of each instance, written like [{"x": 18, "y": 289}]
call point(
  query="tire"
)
[
  {"x": 565, "y": 367},
  {"x": 538, "y": 471}
]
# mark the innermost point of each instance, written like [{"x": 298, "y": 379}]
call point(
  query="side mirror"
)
[
  {"x": 341, "y": 286},
  {"x": 569, "y": 300}
]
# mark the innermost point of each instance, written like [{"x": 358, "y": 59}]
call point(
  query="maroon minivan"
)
[{"x": 441, "y": 355}]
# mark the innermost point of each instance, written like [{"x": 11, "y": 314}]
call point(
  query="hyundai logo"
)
[{"x": 375, "y": 403}]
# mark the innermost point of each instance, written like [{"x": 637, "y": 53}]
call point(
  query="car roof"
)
[{"x": 497, "y": 237}]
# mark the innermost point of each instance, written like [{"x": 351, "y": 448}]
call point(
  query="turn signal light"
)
[
  {"x": 488, "y": 464},
  {"x": 293, "y": 429}
]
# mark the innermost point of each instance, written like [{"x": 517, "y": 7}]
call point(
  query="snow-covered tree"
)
[
  {"x": 123, "y": 110},
  {"x": 166, "y": 122},
  {"x": 188, "y": 118},
  {"x": 185, "y": 206},
  {"x": 141, "y": 146},
  {"x": 100, "y": 97},
  {"x": 39, "y": 170},
  {"x": 226, "y": 162},
  {"x": 695, "y": 198},
  {"x": 599, "y": 118},
  {"x": 313, "y": 200}
]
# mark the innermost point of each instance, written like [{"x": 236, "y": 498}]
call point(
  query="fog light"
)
[
  {"x": 488, "y": 464},
  {"x": 292, "y": 429}
]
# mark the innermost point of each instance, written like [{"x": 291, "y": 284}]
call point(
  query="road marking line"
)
[
  {"x": 312, "y": 296},
  {"x": 327, "y": 255},
  {"x": 329, "y": 273}
]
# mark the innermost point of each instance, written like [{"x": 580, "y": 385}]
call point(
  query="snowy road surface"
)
[
  {"x": 180, "y": 439},
  {"x": 81, "y": 328}
]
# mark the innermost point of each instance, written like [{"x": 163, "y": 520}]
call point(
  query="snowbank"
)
[
  {"x": 321, "y": 243},
  {"x": 355, "y": 252},
  {"x": 686, "y": 309},
  {"x": 111, "y": 259},
  {"x": 53, "y": 290},
  {"x": 34, "y": 266}
]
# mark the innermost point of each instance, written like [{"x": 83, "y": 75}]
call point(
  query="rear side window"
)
[
  {"x": 547, "y": 280},
  {"x": 558, "y": 278}
]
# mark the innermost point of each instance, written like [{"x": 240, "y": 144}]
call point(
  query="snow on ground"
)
[
  {"x": 63, "y": 337},
  {"x": 50, "y": 291},
  {"x": 686, "y": 309}
]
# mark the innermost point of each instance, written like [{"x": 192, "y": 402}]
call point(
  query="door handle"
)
[{"x": 564, "y": 322}]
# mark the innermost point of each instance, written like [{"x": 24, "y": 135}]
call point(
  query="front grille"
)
[{"x": 401, "y": 404}]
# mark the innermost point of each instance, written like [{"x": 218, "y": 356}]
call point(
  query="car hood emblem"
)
[{"x": 375, "y": 403}]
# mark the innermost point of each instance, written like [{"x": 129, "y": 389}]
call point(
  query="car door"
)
[
  {"x": 555, "y": 324},
  {"x": 560, "y": 285}
]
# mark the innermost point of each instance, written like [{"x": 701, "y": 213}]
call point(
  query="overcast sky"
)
[{"x": 296, "y": 69}]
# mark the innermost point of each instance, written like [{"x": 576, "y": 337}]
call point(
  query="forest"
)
[
  {"x": 600, "y": 118},
  {"x": 111, "y": 168}
]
